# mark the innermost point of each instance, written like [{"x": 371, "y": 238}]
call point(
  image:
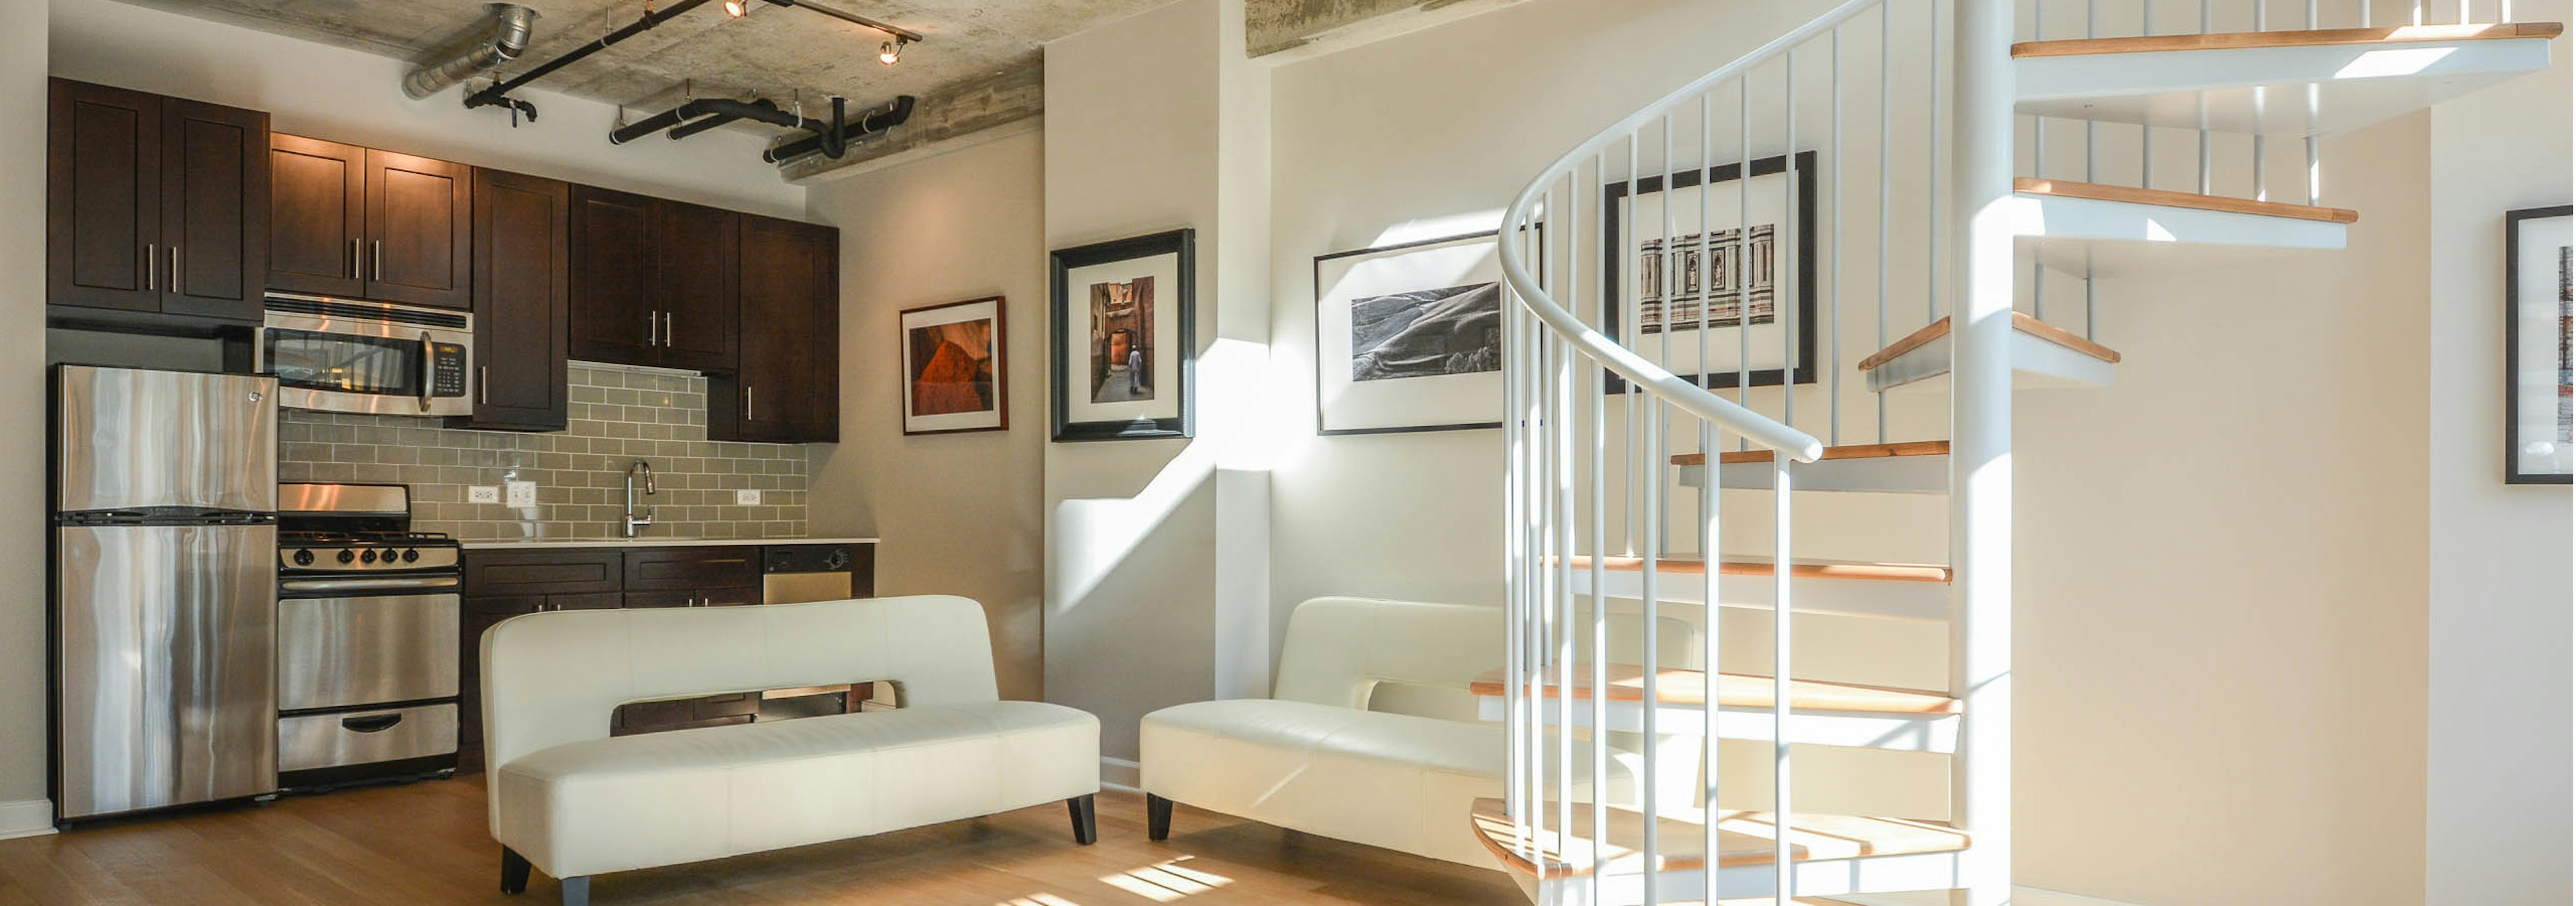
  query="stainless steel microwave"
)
[{"x": 342, "y": 355}]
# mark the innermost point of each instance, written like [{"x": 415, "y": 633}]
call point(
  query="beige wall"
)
[
  {"x": 22, "y": 456},
  {"x": 959, "y": 513},
  {"x": 2497, "y": 789}
]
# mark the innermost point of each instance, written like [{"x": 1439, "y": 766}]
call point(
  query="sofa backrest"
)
[
  {"x": 1353, "y": 652},
  {"x": 554, "y": 678}
]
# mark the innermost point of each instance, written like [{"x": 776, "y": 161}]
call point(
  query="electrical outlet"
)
[
  {"x": 746, "y": 498},
  {"x": 482, "y": 493},
  {"x": 522, "y": 494}
]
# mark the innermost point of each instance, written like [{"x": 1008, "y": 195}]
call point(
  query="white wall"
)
[
  {"x": 350, "y": 96},
  {"x": 23, "y": 808},
  {"x": 2497, "y": 828},
  {"x": 960, "y": 513}
]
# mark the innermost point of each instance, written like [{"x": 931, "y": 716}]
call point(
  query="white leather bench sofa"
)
[
  {"x": 571, "y": 801},
  {"x": 1314, "y": 759}
]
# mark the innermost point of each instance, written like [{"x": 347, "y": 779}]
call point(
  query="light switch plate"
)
[
  {"x": 482, "y": 493},
  {"x": 522, "y": 493},
  {"x": 746, "y": 497}
]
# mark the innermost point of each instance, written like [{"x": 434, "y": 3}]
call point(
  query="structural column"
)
[{"x": 1981, "y": 510}]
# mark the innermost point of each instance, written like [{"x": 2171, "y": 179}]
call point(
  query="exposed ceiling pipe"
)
[
  {"x": 725, "y": 109},
  {"x": 876, "y": 122},
  {"x": 498, "y": 95},
  {"x": 512, "y": 26}
]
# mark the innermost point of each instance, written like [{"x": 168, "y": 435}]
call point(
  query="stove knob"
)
[
  {"x": 303, "y": 558},
  {"x": 347, "y": 555},
  {"x": 411, "y": 555},
  {"x": 369, "y": 556}
]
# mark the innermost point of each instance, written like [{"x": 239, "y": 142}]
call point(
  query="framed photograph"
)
[
  {"x": 2539, "y": 314},
  {"x": 1409, "y": 337},
  {"x": 1126, "y": 339},
  {"x": 953, "y": 370},
  {"x": 1697, "y": 291}
]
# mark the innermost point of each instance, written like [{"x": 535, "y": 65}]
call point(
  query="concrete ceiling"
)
[{"x": 978, "y": 67}]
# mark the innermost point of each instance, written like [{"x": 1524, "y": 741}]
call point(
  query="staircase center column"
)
[{"x": 1981, "y": 443}]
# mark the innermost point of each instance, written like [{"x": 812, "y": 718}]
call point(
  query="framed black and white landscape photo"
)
[
  {"x": 1409, "y": 337},
  {"x": 1694, "y": 291},
  {"x": 1125, "y": 338},
  {"x": 2540, "y": 318}
]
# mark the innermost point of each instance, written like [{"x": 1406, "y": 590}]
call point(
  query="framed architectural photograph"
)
[
  {"x": 1125, "y": 338},
  {"x": 2540, "y": 311},
  {"x": 1409, "y": 337},
  {"x": 1699, "y": 292},
  {"x": 953, "y": 368}
]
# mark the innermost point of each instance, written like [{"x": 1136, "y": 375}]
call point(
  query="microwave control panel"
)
[{"x": 446, "y": 369}]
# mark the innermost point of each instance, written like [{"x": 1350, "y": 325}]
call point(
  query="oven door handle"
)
[
  {"x": 388, "y": 583},
  {"x": 428, "y": 368}
]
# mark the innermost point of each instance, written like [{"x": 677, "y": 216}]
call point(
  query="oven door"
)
[
  {"x": 367, "y": 357},
  {"x": 367, "y": 647}
]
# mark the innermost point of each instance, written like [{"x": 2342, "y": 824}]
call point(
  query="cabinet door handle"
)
[
  {"x": 746, "y": 402},
  {"x": 652, "y": 328},
  {"x": 151, "y": 267},
  {"x": 483, "y": 384},
  {"x": 174, "y": 271},
  {"x": 670, "y": 330},
  {"x": 380, "y": 261}
]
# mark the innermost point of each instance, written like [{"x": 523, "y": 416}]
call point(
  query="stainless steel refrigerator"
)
[{"x": 164, "y": 588}]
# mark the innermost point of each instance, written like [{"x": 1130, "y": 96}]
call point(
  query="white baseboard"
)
[
  {"x": 26, "y": 818},
  {"x": 1121, "y": 774}
]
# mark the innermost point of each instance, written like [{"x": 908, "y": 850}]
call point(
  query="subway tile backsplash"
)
[{"x": 618, "y": 415}]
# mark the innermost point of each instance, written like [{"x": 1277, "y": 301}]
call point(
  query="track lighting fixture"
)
[
  {"x": 737, "y": 8},
  {"x": 891, "y": 53}
]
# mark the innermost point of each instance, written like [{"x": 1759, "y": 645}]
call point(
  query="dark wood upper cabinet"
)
[
  {"x": 522, "y": 253},
  {"x": 214, "y": 209},
  {"x": 613, "y": 319},
  {"x": 419, "y": 230},
  {"x": 697, "y": 247},
  {"x": 653, "y": 281},
  {"x": 787, "y": 387},
  {"x": 155, "y": 205},
  {"x": 317, "y": 219}
]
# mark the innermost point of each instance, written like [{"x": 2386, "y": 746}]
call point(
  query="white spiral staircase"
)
[{"x": 1927, "y": 199}]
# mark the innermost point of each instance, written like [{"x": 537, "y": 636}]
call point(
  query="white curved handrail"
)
[{"x": 1654, "y": 379}]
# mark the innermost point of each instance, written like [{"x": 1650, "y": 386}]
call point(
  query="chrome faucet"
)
[{"x": 633, "y": 522}]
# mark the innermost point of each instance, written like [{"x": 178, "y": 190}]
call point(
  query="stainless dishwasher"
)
[{"x": 796, "y": 574}]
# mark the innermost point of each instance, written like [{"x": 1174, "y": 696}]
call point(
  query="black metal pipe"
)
[
  {"x": 497, "y": 94},
  {"x": 882, "y": 119},
  {"x": 702, "y": 124},
  {"x": 729, "y": 109},
  {"x": 834, "y": 143}
]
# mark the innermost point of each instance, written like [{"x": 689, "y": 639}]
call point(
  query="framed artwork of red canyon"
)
[{"x": 953, "y": 377}]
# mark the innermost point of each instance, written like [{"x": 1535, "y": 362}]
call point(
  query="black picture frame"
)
[
  {"x": 1181, "y": 243},
  {"x": 1615, "y": 258},
  {"x": 1001, "y": 367},
  {"x": 1319, "y": 289},
  {"x": 2513, "y": 471}
]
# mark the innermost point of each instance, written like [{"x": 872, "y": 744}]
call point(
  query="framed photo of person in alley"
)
[{"x": 1125, "y": 338}]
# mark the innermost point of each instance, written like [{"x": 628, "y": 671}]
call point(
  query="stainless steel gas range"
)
[{"x": 367, "y": 618}]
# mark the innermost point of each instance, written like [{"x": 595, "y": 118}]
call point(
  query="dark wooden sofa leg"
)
[
  {"x": 1086, "y": 819},
  {"x": 514, "y": 871},
  {"x": 576, "y": 891},
  {"x": 1158, "y": 817}
]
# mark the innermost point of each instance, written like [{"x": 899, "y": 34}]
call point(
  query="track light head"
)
[
  {"x": 736, "y": 8},
  {"x": 891, "y": 53}
]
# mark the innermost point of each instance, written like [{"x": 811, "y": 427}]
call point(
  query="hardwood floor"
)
[{"x": 427, "y": 843}]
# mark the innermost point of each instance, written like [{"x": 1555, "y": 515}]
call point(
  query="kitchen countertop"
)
[{"x": 535, "y": 543}]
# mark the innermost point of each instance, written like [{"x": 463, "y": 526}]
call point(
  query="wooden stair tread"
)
[
  {"x": 2021, "y": 322},
  {"x": 2061, "y": 188},
  {"x": 1801, "y": 569},
  {"x": 1744, "y": 839},
  {"x": 2402, "y": 34},
  {"x": 1851, "y": 451},
  {"x": 1734, "y": 690}
]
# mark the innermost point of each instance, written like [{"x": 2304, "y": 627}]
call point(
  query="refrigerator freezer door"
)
[
  {"x": 129, "y": 439},
  {"x": 166, "y": 652}
]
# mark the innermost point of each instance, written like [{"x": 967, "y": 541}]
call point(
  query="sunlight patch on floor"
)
[{"x": 1167, "y": 881}]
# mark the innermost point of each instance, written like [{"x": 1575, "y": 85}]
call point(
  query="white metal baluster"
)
[
  {"x": 2418, "y": 18},
  {"x": 2315, "y": 178},
  {"x": 1649, "y": 845},
  {"x": 1932, "y": 185},
  {"x": 1780, "y": 622},
  {"x": 1560, "y": 494},
  {"x": 1710, "y": 539},
  {"x": 1741, "y": 271},
  {"x": 2039, "y": 170},
  {"x": 1886, "y": 126},
  {"x": 2203, "y": 101},
  {"x": 2146, "y": 131},
  {"x": 2261, "y": 192},
  {"x": 1672, "y": 268},
  {"x": 1635, "y": 327},
  {"x": 1516, "y": 551},
  {"x": 1784, "y": 289},
  {"x": 1593, "y": 404},
  {"x": 1708, "y": 486},
  {"x": 1834, "y": 318}
]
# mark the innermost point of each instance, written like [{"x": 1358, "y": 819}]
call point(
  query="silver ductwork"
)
[{"x": 512, "y": 25}]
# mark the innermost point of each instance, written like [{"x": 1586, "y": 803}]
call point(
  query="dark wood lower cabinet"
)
[{"x": 504, "y": 584}]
